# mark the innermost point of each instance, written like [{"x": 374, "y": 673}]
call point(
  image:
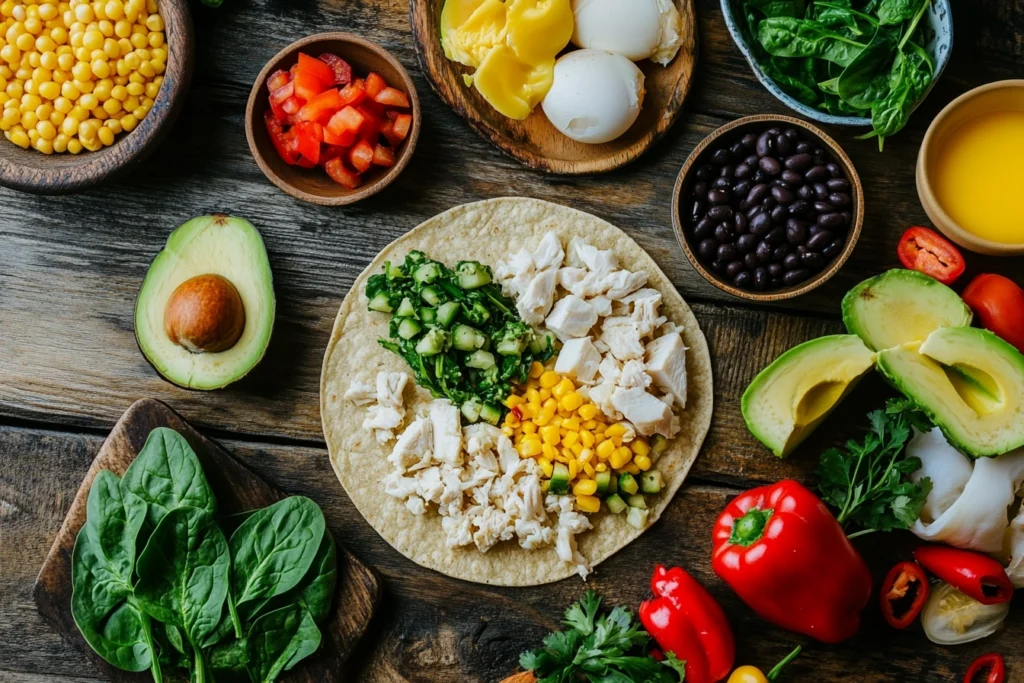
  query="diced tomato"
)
[
  {"x": 392, "y": 114},
  {"x": 361, "y": 156},
  {"x": 387, "y": 129},
  {"x": 331, "y": 152},
  {"x": 278, "y": 97},
  {"x": 353, "y": 94},
  {"x": 370, "y": 128},
  {"x": 392, "y": 97},
  {"x": 346, "y": 139},
  {"x": 323, "y": 106},
  {"x": 348, "y": 120},
  {"x": 341, "y": 175},
  {"x": 278, "y": 137},
  {"x": 278, "y": 79},
  {"x": 308, "y": 86},
  {"x": 341, "y": 68},
  {"x": 403, "y": 122},
  {"x": 305, "y": 163},
  {"x": 383, "y": 156},
  {"x": 309, "y": 135},
  {"x": 375, "y": 83},
  {"x": 926, "y": 251},
  {"x": 317, "y": 69}
]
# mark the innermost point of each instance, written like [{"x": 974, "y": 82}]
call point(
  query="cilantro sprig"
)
[
  {"x": 868, "y": 481},
  {"x": 606, "y": 648}
]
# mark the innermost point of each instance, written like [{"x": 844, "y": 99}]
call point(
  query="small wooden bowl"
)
[
  {"x": 736, "y": 129},
  {"x": 30, "y": 171},
  {"x": 313, "y": 184},
  {"x": 534, "y": 141},
  {"x": 998, "y": 96}
]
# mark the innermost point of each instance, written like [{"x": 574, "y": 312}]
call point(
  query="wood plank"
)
[
  {"x": 431, "y": 628},
  {"x": 22, "y": 677}
]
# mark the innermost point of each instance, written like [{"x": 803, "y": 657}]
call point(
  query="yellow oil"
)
[{"x": 979, "y": 175}]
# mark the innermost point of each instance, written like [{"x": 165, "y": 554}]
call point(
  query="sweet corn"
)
[
  {"x": 640, "y": 447},
  {"x": 643, "y": 462},
  {"x": 550, "y": 435},
  {"x": 570, "y": 401},
  {"x": 588, "y": 504},
  {"x": 536, "y": 370},
  {"x": 546, "y": 467},
  {"x": 549, "y": 379},
  {"x": 588, "y": 470},
  {"x": 605, "y": 450},
  {"x": 620, "y": 458},
  {"x": 585, "y": 487},
  {"x": 563, "y": 388}
]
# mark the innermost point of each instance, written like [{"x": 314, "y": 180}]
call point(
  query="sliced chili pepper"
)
[
  {"x": 973, "y": 574},
  {"x": 991, "y": 667},
  {"x": 342, "y": 69},
  {"x": 904, "y": 592},
  {"x": 928, "y": 252},
  {"x": 999, "y": 304}
]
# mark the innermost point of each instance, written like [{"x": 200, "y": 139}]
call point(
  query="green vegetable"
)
[
  {"x": 637, "y": 501},
  {"x": 652, "y": 482},
  {"x": 615, "y": 504},
  {"x": 789, "y": 37},
  {"x": 637, "y": 517},
  {"x": 472, "y": 275},
  {"x": 868, "y": 481},
  {"x": 865, "y": 80},
  {"x": 610, "y": 648},
  {"x": 627, "y": 484},
  {"x": 406, "y": 309},
  {"x": 447, "y": 312},
  {"x": 408, "y": 328},
  {"x": 278, "y": 640},
  {"x": 482, "y": 360}
]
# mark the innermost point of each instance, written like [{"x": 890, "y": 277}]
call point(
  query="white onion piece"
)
[
  {"x": 1016, "y": 569},
  {"x": 948, "y": 469},
  {"x": 952, "y": 618}
]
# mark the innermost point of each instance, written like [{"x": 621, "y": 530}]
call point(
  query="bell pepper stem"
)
[
  {"x": 777, "y": 669},
  {"x": 748, "y": 529}
]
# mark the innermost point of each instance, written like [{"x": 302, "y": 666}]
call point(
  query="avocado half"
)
[
  {"x": 792, "y": 396},
  {"x": 969, "y": 381},
  {"x": 213, "y": 275}
]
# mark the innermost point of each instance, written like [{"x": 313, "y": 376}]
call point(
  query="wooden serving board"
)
[
  {"x": 534, "y": 141},
  {"x": 237, "y": 490}
]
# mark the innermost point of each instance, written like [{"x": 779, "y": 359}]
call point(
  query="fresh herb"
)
[
  {"x": 460, "y": 335},
  {"x": 192, "y": 599},
  {"x": 868, "y": 481},
  {"x": 610, "y": 648}
]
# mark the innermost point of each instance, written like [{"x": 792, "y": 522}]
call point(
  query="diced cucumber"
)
[
  {"x": 431, "y": 295},
  {"x": 471, "y": 410},
  {"x": 426, "y": 273},
  {"x": 466, "y": 338},
  {"x": 637, "y": 501},
  {"x": 480, "y": 359},
  {"x": 652, "y": 482},
  {"x": 447, "y": 312},
  {"x": 604, "y": 480},
  {"x": 406, "y": 309},
  {"x": 559, "y": 478},
  {"x": 393, "y": 271},
  {"x": 409, "y": 328},
  {"x": 510, "y": 347},
  {"x": 380, "y": 303},
  {"x": 541, "y": 342},
  {"x": 428, "y": 315},
  {"x": 637, "y": 517},
  {"x": 613, "y": 485},
  {"x": 478, "y": 314},
  {"x": 659, "y": 444},
  {"x": 627, "y": 484},
  {"x": 615, "y": 504},
  {"x": 472, "y": 275},
  {"x": 431, "y": 344},
  {"x": 490, "y": 413}
]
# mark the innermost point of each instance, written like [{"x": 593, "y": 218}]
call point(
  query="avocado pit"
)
[{"x": 205, "y": 314}]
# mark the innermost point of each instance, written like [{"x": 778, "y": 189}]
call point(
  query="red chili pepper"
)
[
  {"x": 685, "y": 620},
  {"x": 999, "y": 303},
  {"x": 995, "y": 665},
  {"x": 927, "y": 251},
  {"x": 786, "y": 556},
  {"x": 903, "y": 580},
  {"x": 973, "y": 574}
]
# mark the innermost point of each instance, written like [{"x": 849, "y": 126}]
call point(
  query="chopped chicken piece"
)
[
  {"x": 413, "y": 445},
  {"x": 602, "y": 305},
  {"x": 570, "y": 523},
  {"x": 447, "y": 432},
  {"x": 431, "y": 486},
  {"x": 666, "y": 363},
  {"x": 622, "y": 282},
  {"x": 622, "y": 337},
  {"x": 416, "y": 505},
  {"x": 480, "y": 437},
  {"x": 549, "y": 252},
  {"x": 390, "y": 386},
  {"x": 515, "y": 274},
  {"x": 634, "y": 375},
  {"x": 570, "y": 278},
  {"x": 361, "y": 393},
  {"x": 400, "y": 487},
  {"x": 382, "y": 420},
  {"x": 571, "y": 317},
  {"x": 533, "y": 305},
  {"x": 595, "y": 260},
  {"x": 508, "y": 456},
  {"x": 579, "y": 360},
  {"x": 610, "y": 370},
  {"x": 645, "y": 310},
  {"x": 601, "y": 395},
  {"x": 648, "y": 415}
]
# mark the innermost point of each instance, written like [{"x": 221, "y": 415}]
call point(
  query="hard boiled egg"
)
[
  {"x": 595, "y": 96},
  {"x": 635, "y": 29}
]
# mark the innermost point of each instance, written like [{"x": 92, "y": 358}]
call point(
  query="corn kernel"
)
[
  {"x": 585, "y": 455},
  {"x": 615, "y": 430},
  {"x": 549, "y": 379},
  {"x": 549, "y": 452},
  {"x": 588, "y": 470},
  {"x": 550, "y": 435},
  {"x": 601, "y": 467},
  {"x": 60, "y": 143},
  {"x": 620, "y": 457},
  {"x": 21, "y": 139},
  {"x": 546, "y": 467},
  {"x": 536, "y": 370},
  {"x": 529, "y": 448},
  {"x": 570, "y": 438},
  {"x": 74, "y": 146},
  {"x": 640, "y": 447},
  {"x": 574, "y": 468},
  {"x": 585, "y": 487},
  {"x": 588, "y": 504},
  {"x": 643, "y": 462},
  {"x": 588, "y": 411},
  {"x": 605, "y": 450},
  {"x": 563, "y": 388},
  {"x": 631, "y": 468},
  {"x": 571, "y": 401},
  {"x": 529, "y": 428}
]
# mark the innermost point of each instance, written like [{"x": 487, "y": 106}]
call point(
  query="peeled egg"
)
[
  {"x": 595, "y": 95},
  {"x": 635, "y": 29}
]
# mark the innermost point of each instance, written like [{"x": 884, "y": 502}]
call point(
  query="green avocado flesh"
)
[
  {"x": 901, "y": 306},
  {"x": 969, "y": 381},
  {"x": 219, "y": 245},
  {"x": 792, "y": 396}
]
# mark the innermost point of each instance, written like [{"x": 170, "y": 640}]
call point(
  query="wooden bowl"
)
[
  {"x": 30, "y": 171},
  {"x": 313, "y": 184},
  {"x": 534, "y": 141},
  {"x": 737, "y": 129},
  {"x": 998, "y": 96}
]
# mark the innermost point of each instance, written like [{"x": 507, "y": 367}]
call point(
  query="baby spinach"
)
[
  {"x": 865, "y": 80},
  {"x": 895, "y": 12},
  {"x": 789, "y": 37},
  {"x": 278, "y": 640}
]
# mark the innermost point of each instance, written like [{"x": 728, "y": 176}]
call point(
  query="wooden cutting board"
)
[{"x": 237, "y": 490}]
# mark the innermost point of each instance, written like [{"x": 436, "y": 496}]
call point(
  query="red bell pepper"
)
[
  {"x": 309, "y": 135},
  {"x": 341, "y": 175},
  {"x": 282, "y": 143},
  {"x": 928, "y": 252},
  {"x": 903, "y": 594},
  {"x": 685, "y": 620},
  {"x": 374, "y": 83},
  {"x": 316, "y": 68},
  {"x": 991, "y": 666},
  {"x": 361, "y": 156},
  {"x": 392, "y": 97},
  {"x": 342, "y": 70},
  {"x": 383, "y": 156},
  {"x": 973, "y": 574},
  {"x": 786, "y": 556}
]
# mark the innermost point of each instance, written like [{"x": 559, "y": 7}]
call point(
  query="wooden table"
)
[{"x": 70, "y": 268}]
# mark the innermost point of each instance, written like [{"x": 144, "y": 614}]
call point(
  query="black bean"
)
[
  {"x": 747, "y": 243},
  {"x": 774, "y": 130},
  {"x": 783, "y": 196},
  {"x": 823, "y": 207},
  {"x": 795, "y": 277},
  {"x": 743, "y": 205},
  {"x": 793, "y": 178},
  {"x": 757, "y": 193},
  {"x": 720, "y": 157},
  {"x": 779, "y": 215},
  {"x": 722, "y": 184},
  {"x": 799, "y": 162},
  {"x": 718, "y": 197},
  {"x": 776, "y": 236},
  {"x": 750, "y": 260},
  {"x": 720, "y": 212},
  {"x": 763, "y": 252},
  {"x": 820, "y": 241},
  {"x": 775, "y": 270},
  {"x": 820, "y": 157},
  {"x": 741, "y": 188},
  {"x": 832, "y": 250},
  {"x": 847, "y": 217},
  {"x": 705, "y": 172},
  {"x": 743, "y": 280},
  {"x": 764, "y": 145},
  {"x": 838, "y": 185},
  {"x": 761, "y": 278},
  {"x": 749, "y": 140},
  {"x": 803, "y": 147},
  {"x": 840, "y": 199},
  {"x": 801, "y": 249},
  {"x": 734, "y": 269},
  {"x": 816, "y": 174},
  {"x": 697, "y": 210},
  {"x": 791, "y": 261},
  {"x": 724, "y": 233},
  {"x": 760, "y": 223},
  {"x": 726, "y": 253},
  {"x": 727, "y": 171},
  {"x": 820, "y": 191},
  {"x": 737, "y": 150},
  {"x": 779, "y": 182},
  {"x": 769, "y": 202},
  {"x": 718, "y": 267},
  {"x": 796, "y": 231},
  {"x": 705, "y": 228},
  {"x": 812, "y": 260},
  {"x": 751, "y": 160},
  {"x": 770, "y": 166},
  {"x": 783, "y": 145},
  {"x": 792, "y": 133},
  {"x": 753, "y": 211},
  {"x": 801, "y": 209},
  {"x": 743, "y": 171},
  {"x": 830, "y": 221},
  {"x": 700, "y": 189},
  {"x": 805, "y": 192},
  {"x": 741, "y": 222},
  {"x": 707, "y": 249},
  {"x": 834, "y": 169}
]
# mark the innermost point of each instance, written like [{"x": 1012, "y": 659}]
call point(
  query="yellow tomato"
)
[{"x": 748, "y": 674}]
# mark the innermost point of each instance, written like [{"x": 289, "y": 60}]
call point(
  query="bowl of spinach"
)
[{"x": 845, "y": 62}]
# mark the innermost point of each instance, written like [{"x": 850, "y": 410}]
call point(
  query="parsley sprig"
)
[
  {"x": 610, "y": 648},
  {"x": 868, "y": 481}
]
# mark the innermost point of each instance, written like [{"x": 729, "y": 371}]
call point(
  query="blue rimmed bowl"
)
[{"x": 939, "y": 17}]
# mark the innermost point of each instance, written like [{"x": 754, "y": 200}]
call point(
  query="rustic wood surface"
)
[{"x": 70, "y": 268}]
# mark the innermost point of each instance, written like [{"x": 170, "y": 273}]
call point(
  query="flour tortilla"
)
[{"x": 489, "y": 232}]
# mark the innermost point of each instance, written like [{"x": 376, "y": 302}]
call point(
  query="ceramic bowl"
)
[
  {"x": 731, "y": 132},
  {"x": 998, "y": 96},
  {"x": 28, "y": 170},
  {"x": 939, "y": 17},
  {"x": 313, "y": 184}
]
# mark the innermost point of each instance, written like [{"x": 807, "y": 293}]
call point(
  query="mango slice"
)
[
  {"x": 470, "y": 40},
  {"x": 538, "y": 29},
  {"x": 510, "y": 85}
]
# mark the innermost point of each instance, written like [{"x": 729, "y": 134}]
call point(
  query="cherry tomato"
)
[
  {"x": 928, "y": 252},
  {"x": 990, "y": 666},
  {"x": 903, "y": 594},
  {"x": 999, "y": 303}
]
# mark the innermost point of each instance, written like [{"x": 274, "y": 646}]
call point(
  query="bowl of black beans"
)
[{"x": 768, "y": 207}]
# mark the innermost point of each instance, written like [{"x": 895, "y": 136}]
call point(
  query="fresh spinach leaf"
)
[
  {"x": 908, "y": 81},
  {"x": 838, "y": 15},
  {"x": 791, "y": 79},
  {"x": 895, "y": 12},
  {"x": 778, "y": 8},
  {"x": 314, "y": 592},
  {"x": 789, "y": 37},
  {"x": 278, "y": 640},
  {"x": 866, "y": 80}
]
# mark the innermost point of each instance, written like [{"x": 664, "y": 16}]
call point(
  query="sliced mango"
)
[
  {"x": 510, "y": 85},
  {"x": 470, "y": 40},
  {"x": 537, "y": 30}
]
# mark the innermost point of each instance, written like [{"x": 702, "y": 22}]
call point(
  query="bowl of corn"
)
[{"x": 87, "y": 88}]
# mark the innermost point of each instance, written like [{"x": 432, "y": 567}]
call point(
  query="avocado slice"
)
[
  {"x": 901, "y": 306},
  {"x": 792, "y": 396},
  {"x": 205, "y": 312},
  {"x": 969, "y": 382}
]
